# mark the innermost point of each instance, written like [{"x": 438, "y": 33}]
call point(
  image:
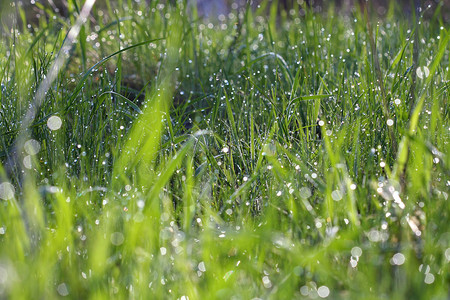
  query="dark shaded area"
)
[
  {"x": 376, "y": 7},
  {"x": 213, "y": 8}
]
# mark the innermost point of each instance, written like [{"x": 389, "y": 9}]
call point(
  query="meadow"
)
[{"x": 149, "y": 153}]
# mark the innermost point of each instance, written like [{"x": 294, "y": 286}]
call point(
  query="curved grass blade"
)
[
  {"x": 83, "y": 79},
  {"x": 278, "y": 57}
]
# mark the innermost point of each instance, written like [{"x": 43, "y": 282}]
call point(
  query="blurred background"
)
[{"x": 212, "y": 9}]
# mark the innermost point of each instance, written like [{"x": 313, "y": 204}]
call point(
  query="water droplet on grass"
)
[
  {"x": 447, "y": 254},
  {"x": 7, "y": 191},
  {"x": 427, "y": 269},
  {"x": 353, "y": 262},
  {"x": 27, "y": 162},
  {"x": 266, "y": 282},
  {"x": 304, "y": 290},
  {"x": 422, "y": 72},
  {"x": 54, "y": 123},
  {"x": 117, "y": 238},
  {"x": 62, "y": 290},
  {"x": 336, "y": 195},
  {"x": 398, "y": 259},
  {"x": 32, "y": 147},
  {"x": 356, "y": 251},
  {"x": 323, "y": 291},
  {"x": 141, "y": 203},
  {"x": 429, "y": 278},
  {"x": 305, "y": 192},
  {"x": 202, "y": 267}
]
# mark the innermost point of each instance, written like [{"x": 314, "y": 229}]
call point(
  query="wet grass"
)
[{"x": 272, "y": 155}]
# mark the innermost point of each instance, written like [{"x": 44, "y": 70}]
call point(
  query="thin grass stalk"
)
[
  {"x": 412, "y": 90},
  {"x": 376, "y": 63}
]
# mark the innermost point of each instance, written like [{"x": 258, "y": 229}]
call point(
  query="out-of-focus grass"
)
[{"x": 244, "y": 157}]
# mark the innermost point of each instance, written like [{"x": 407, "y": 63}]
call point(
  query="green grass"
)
[{"x": 245, "y": 158}]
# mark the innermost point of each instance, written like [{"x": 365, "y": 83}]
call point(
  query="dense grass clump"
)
[{"x": 149, "y": 153}]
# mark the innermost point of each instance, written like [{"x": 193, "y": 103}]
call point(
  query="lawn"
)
[{"x": 149, "y": 153}]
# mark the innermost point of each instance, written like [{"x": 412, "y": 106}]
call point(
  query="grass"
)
[{"x": 273, "y": 155}]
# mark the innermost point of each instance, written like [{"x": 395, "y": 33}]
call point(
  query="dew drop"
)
[
  {"x": 62, "y": 290},
  {"x": 398, "y": 259},
  {"x": 7, "y": 191},
  {"x": 356, "y": 251},
  {"x": 305, "y": 192},
  {"x": 429, "y": 278},
  {"x": 54, "y": 123},
  {"x": 323, "y": 291},
  {"x": 202, "y": 267},
  {"x": 304, "y": 290},
  {"x": 27, "y": 162},
  {"x": 32, "y": 147},
  {"x": 422, "y": 72},
  {"x": 266, "y": 282},
  {"x": 336, "y": 195},
  {"x": 447, "y": 254},
  {"x": 117, "y": 238}
]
